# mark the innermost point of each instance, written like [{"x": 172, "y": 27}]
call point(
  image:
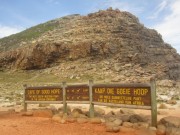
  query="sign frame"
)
[{"x": 151, "y": 87}]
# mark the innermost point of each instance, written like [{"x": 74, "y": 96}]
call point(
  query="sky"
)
[{"x": 161, "y": 15}]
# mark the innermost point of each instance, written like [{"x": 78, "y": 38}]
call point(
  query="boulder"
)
[
  {"x": 71, "y": 119},
  {"x": 56, "y": 118},
  {"x": 171, "y": 121},
  {"x": 127, "y": 124},
  {"x": 173, "y": 102},
  {"x": 95, "y": 120},
  {"x": 82, "y": 120},
  {"x": 161, "y": 130},
  {"x": 136, "y": 118},
  {"x": 126, "y": 111},
  {"x": 43, "y": 113},
  {"x": 29, "y": 113},
  {"x": 172, "y": 131},
  {"x": 99, "y": 111},
  {"x": 162, "y": 106},
  {"x": 118, "y": 122},
  {"x": 111, "y": 127}
]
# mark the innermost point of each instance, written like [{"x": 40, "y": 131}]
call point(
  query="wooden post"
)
[
  {"x": 24, "y": 98},
  {"x": 91, "y": 108},
  {"x": 153, "y": 104},
  {"x": 64, "y": 97}
]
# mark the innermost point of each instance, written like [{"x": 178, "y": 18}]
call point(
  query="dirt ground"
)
[{"x": 15, "y": 124}]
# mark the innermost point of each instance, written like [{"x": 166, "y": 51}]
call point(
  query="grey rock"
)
[{"x": 171, "y": 121}]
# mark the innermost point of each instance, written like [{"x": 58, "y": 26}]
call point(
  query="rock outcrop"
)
[{"x": 107, "y": 43}]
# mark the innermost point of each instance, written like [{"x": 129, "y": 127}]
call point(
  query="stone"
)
[
  {"x": 95, "y": 120},
  {"x": 110, "y": 114},
  {"x": 127, "y": 124},
  {"x": 63, "y": 121},
  {"x": 126, "y": 111},
  {"x": 53, "y": 109},
  {"x": 68, "y": 109},
  {"x": 136, "y": 118},
  {"x": 75, "y": 114},
  {"x": 162, "y": 106},
  {"x": 170, "y": 121},
  {"x": 161, "y": 130},
  {"x": 71, "y": 119},
  {"x": 98, "y": 111},
  {"x": 173, "y": 102},
  {"x": 43, "y": 113},
  {"x": 111, "y": 127},
  {"x": 29, "y": 113},
  {"x": 125, "y": 118},
  {"x": 141, "y": 125},
  {"x": 82, "y": 120},
  {"x": 77, "y": 110},
  {"x": 172, "y": 131},
  {"x": 118, "y": 122},
  {"x": 56, "y": 118}
]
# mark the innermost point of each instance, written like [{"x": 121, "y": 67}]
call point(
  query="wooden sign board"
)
[
  {"x": 117, "y": 94},
  {"x": 43, "y": 94},
  {"x": 77, "y": 93}
]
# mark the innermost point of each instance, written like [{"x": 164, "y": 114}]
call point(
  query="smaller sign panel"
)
[
  {"x": 118, "y": 94},
  {"x": 43, "y": 94},
  {"x": 77, "y": 93}
]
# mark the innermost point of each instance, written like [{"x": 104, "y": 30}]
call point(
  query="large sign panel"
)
[
  {"x": 122, "y": 95},
  {"x": 43, "y": 94},
  {"x": 77, "y": 93}
]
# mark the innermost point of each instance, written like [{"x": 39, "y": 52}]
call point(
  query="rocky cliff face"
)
[{"x": 107, "y": 43}]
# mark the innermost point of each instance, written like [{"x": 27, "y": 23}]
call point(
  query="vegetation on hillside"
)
[{"x": 13, "y": 41}]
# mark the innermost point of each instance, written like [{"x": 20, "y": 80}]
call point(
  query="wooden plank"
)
[
  {"x": 43, "y": 94},
  {"x": 153, "y": 104},
  {"x": 24, "y": 98},
  {"x": 77, "y": 92},
  {"x": 78, "y": 102},
  {"x": 64, "y": 97},
  {"x": 44, "y": 102},
  {"x": 91, "y": 107},
  {"x": 123, "y": 106},
  {"x": 124, "y": 85},
  {"x": 130, "y": 95}
]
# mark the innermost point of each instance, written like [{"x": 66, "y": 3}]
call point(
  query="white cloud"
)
[
  {"x": 169, "y": 27},
  {"x": 6, "y": 30},
  {"x": 158, "y": 9}
]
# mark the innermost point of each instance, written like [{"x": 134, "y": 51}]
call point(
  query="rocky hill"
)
[{"x": 108, "y": 44}]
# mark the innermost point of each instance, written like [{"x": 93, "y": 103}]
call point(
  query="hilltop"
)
[{"x": 106, "y": 45}]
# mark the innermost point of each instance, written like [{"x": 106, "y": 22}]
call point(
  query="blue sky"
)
[{"x": 162, "y": 15}]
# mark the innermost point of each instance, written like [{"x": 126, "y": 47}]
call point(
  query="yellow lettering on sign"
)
[
  {"x": 123, "y": 91},
  {"x": 44, "y": 92},
  {"x": 140, "y": 92},
  {"x": 55, "y": 91},
  {"x": 138, "y": 103},
  {"x": 110, "y": 90},
  {"x": 137, "y": 98},
  {"x": 100, "y": 90},
  {"x": 31, "y": 92}
]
